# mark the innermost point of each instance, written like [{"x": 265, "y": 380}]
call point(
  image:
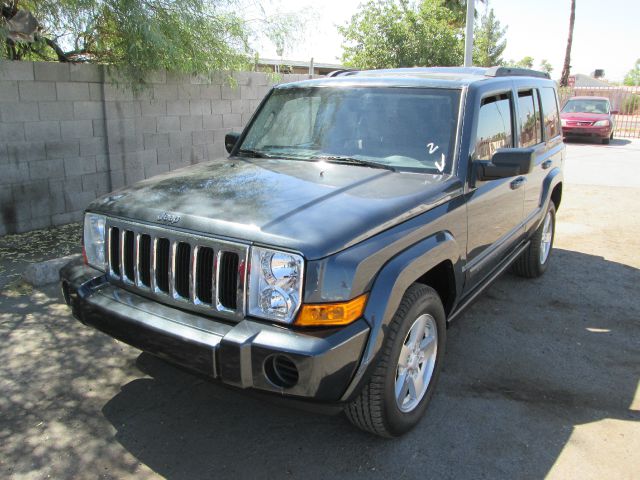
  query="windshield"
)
[
  {"x": 400, "y": 128},
  {"x": 586, "y": 106}
]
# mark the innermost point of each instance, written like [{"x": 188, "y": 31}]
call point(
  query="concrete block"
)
[
  {"x": 168, "y": 124},
  {"x": 79, "y": 200},
  {"x": 45, "y": 169},
  {"x": 117, "y": 179},
  {"x": 177, "y": 78},
  {"x": 47, "y": 205},
  {"x": 210, "y": 92},
  {"x": 211, "y": 122},
  {"x": 96, "y": 182},
  {"x": 188, "y": 91},
  {"x": 43, "y": 273},
  {"x": 133, "y": 176},
  {"x": 14, "y": 173},
  {"x": 258, "y": 79},
  {"x": 194, "y": 154},
  {"x": 165, "y": 92},
  {"x": 125, "y": 144},
  {"x": 203, "y": 137},
  {"x": 56, "y": 110},
  {"x": 88, "y": 110},
  {"x": 153, "y": 170},
  {"x": 99, "y": 127},
  {"x": 159, "y": 76},
  {"x": 215, "y": 150},
  {"x": 149, "y": 124},
  {"x": 19, "y": 112},
  {"x": 242, "y": 78},
  {"x": 70, "y": 129},
  {"x": 16, "y": 70},
  {"x": 248, "y": 93},
  {"x": 230, "y": 93},
  {"x": 65, "y": 218},
  {"x": 86, "y": 73},
  {"x": 93, "y": 146},
  {"x": 242, "y": 106},
  {"x": 51, "y": 71},
  {"x": 42, "y": 131},
  {"x": 18, "y": 152},
  {"x": 153, "y": 107},
  {"x": 191, "y": 122},
  {"x": 180, "y": 139},
  {"x": 79, "y": 165},
  {"x": 8, "y": 91},
  {"x": 96, "y": 91},
  {"x": 177, "y": 107},
  {"x": 231, "y": 120},
  {"x": 120, "y": 127},
  {"x": 120, "y": 109},
  {"x": 200, "y": 79},
  {"x": 62, "y": 149},
  {"x": 220, "y": 106},
  {"x": 36, "y": 91},
  {"x": 103, "y": 162},
  {"x": 65, "y": 185},
  {"x": 200, "y": 107},
  {"x": 168, "y": 155},
  {"x": 156, "y": 140},
  {"x": 73, "y": 91},
  {"x": 115, "y": 92}
]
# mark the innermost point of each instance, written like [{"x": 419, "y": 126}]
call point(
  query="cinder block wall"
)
[{"x": 70, "y": 133}]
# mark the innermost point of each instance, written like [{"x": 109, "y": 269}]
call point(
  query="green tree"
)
[
  {"x": 545, "y": 66},
  {"x": 489, "y": 42},
  {"x": 387, "y": 34},
  {"x": 633, "y": 76},
  {"x": 137, "y": 36}
]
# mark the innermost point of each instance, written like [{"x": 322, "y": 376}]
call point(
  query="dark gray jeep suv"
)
[{"x": 321, "y": 261}]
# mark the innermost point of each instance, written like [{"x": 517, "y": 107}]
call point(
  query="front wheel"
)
[
  {"x": 534, "y": 260},
  {"x": 397, "y": 394}
]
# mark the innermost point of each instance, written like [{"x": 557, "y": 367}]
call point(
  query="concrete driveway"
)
[{"x": 541, "y": 378}]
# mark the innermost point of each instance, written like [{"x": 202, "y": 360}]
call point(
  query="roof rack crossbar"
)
[{"x": 515, "y": 71}]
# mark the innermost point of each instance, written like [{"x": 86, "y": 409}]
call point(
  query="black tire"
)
[
  {"x": 375, "y": 409},
  {"x": 605, "y": 141},
  {"x": 528, "y": 264}
]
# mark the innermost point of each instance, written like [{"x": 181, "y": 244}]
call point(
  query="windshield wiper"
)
[
  {"x": 253, "y": 153},
  {"x": 352, "y": 161}
]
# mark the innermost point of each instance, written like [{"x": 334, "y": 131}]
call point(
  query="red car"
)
[{"x": 588, "y": 117}]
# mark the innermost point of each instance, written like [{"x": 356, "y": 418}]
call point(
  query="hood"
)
[
  {"x": 584, "y": 117},
  {"x": 316, "y": 208}
]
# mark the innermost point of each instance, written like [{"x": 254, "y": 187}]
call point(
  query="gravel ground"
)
[{"x": 540, "y": 379}]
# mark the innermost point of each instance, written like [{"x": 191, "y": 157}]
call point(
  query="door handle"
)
[
  {"x": 546, "y": 164},
  {"x": 518, "y": 182}
]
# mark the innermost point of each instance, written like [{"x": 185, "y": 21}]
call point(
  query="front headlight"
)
[
  {"x": 563, "y": 122},
  {"x": 601, "y": 123},
  {"x": 94, "y": 240},
  {"x": 275, "y": 284}
]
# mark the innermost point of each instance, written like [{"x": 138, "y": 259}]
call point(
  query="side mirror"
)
[
  {"x": 230, "y": 140},
  {"x": 505, "y": 163},
  {"x": 615, "y": 112}
]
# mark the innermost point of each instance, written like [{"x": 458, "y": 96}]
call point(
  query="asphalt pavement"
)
[{"x": 541, "y": 378}]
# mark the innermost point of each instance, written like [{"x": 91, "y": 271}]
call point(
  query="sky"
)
[{"x": 606, "y": 34}]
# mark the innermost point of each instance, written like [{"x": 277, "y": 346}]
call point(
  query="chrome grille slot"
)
[
  {"x": 192, "y": 272},
  {"x": 228, "y": 279},
  {"x": 163, "y": 248},
  {"x": 204, "y": 275},
  {"x": 181, "y": 267}
]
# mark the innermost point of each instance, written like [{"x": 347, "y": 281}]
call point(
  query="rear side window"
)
[
  {"x": 494, "y": 126},
  {"x": 550, "y": 112},
  {"x": 529, "y": 112}
]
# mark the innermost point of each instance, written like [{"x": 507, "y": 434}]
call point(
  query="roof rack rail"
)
[
  {"x": 343, "y": 71},
  {"x": 515, "y": 71}
]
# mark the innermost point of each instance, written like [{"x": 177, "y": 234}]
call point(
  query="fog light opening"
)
[{"x": 281, "y": 371}]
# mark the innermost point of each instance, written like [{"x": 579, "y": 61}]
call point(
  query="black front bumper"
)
[{"x": 236, "y": 354}]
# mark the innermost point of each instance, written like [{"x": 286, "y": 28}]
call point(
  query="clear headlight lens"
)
[
  {"x": 601, "y": 123},
  {"x": 275, "y": 284},
  {"x": 94, "y": 240},
  {"x": 563, "y": 122}
]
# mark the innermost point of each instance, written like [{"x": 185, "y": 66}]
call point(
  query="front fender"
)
[{"x": 389, "y": 287}]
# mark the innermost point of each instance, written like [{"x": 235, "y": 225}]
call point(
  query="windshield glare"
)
[
  {"x": 586, "y": 106},
  {"x": 404, "y": 128}
]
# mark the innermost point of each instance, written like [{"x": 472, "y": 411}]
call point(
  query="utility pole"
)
[{"x": 468, "y": 38}]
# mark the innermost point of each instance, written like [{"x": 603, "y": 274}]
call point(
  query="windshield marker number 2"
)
[{"x": 432, "y": 149}]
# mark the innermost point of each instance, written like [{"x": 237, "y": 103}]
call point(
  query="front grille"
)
[{"x": 190, "y": 271}]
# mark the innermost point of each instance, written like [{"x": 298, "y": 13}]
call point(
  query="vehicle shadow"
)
[
  {"x": 525, "y": 364},
  {"x": 614, "y": 142}
]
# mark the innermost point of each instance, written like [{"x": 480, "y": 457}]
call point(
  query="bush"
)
[{"x": 631, "y": 105}]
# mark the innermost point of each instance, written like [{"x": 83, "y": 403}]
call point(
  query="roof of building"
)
[{"x": 583, "y": 80}]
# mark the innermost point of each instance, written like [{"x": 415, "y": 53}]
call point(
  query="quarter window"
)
[
  {"x": 529, "y": 112},
  {"x": 494, "y": 126},
  {"x": 550, "y": 112}
]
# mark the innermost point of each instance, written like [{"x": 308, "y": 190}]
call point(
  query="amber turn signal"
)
[{"x": 331, "y": 314}]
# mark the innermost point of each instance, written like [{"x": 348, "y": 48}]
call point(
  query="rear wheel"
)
[
  {"x": 534, "y": 260},
  {"x": 397, "y": 394}
]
